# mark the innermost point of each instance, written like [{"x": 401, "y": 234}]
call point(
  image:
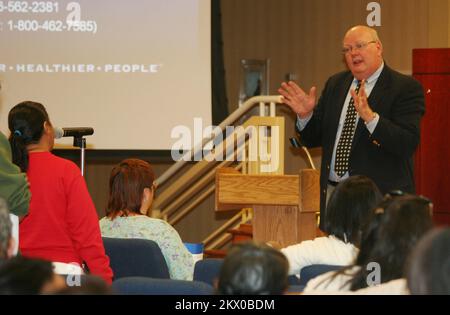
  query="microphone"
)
[
  {"x": 297, "y": 143},
  {"x": 76, "y": 132}
]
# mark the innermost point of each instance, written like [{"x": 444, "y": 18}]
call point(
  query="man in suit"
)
[{"x": 367, "y": 120}]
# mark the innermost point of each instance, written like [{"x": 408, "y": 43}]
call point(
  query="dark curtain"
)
[{"x": 219, "y": 95}]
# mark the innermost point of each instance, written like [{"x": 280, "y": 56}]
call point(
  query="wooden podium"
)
[{"x": 284, "y": 206}]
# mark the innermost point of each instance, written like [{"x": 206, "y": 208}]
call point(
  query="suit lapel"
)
[{"x": 340, "y": 96}]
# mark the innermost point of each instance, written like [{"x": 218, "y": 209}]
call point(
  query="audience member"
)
[
  {"x": 349, "y": 207},
  {"x": 253, "y": 269},
  {"x": 131, "y": 193},
  {"x": 428, "y": 268},
  {"x": 393, "y": 231},
  {"x": 13, "y": 184},
  {"x": 62, "y": 224},
  {"x": 20, "y": 275},
  {"x": 14, "y": 188}
]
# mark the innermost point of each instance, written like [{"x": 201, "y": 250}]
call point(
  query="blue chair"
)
[
  {"x": 309, "y": 272},
  {"x": 295, "y": 288},
  {"x": 150, "y": 286},
  {"x": 135, "y": 258},
  {"x": 207, "y": 270}
]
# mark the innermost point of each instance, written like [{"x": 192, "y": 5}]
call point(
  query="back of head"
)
[
  {"x": 428, "y": 268},
  {"x": 350, "y": 206},
  {"x": 26, "y": 124},
  {"x": 20, "y": 275},
  {"x": 127, "y": 182},
  {"x": 253, "y": 269},
  {"x": 391, "y": 234},
  {"x": 5, "y": 229}
]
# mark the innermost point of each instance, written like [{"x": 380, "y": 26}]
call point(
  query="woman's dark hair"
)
[
  {"x": 20, "y": 275},
  {"x": 126, "y": 186},
  {"x": 350, "y": 206},
  {"x": 428, "y": 267},
  {"x": 26, "y": 124},
  {"x": 253, "y": 269},
  {"x": 390, "y": 235}
]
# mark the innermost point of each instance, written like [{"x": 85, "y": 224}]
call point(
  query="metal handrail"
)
[{"x": 274, "y": 99}]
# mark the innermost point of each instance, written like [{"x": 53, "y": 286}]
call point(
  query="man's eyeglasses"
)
[{"x": 357, "y": 47}]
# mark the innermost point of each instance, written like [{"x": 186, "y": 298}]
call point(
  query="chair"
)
[
  {"x": 150, "y": 286},
  {"x": 135, "y": 258},
  {"x": 207, "y": 270},
  {"x": 309, "y": 272}
]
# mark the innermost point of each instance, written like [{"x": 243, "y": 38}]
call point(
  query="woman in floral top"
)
[{"x": 130, "y": 197}]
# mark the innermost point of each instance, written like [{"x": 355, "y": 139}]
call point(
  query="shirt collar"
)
[{"x": 373, "y": 77}]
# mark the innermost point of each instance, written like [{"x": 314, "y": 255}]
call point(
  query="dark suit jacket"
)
[{"x": 386, "y": 156}]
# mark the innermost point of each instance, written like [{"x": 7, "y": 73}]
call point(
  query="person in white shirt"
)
[
  {"x": 348, "y": 208},
  {"x": 393, "y": 231}
]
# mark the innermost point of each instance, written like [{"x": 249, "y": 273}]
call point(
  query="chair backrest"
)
[
  {"x": 150, "y": 286},
  {"x": 135, "y": 258},
  {"x": 309, "y": 272},
  {"x": 207, "y": 270}
]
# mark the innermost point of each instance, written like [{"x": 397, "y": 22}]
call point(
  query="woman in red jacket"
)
[{"x": 62, "y": 224}]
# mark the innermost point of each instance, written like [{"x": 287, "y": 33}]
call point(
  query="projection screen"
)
[{"x": 131, "y": 69}]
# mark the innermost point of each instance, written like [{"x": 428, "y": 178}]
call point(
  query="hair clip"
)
[{"x": 18, "y": 133}]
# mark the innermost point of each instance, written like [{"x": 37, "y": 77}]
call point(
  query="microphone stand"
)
[{"x": 80, "y": 142}]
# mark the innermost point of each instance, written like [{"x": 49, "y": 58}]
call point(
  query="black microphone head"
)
[
  {"x": 294, "y": 142},
  {"x": 78, "y": 132}
]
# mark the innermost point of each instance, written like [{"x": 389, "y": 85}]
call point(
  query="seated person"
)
[
  {"x": 349, "y": 206},
  {"x": 62, "y": 224},
  {"x": 428, "y": 268},
  {"x": 20, "y": 275},
  {"x": 14, "y": 188},
  {"x": 6, "y": 239},
  {"x": 253, "y": 269},
  {"x": 388, "y": 238},
  {"x": 130, "y": 197},
  {"x": 13, "y": 183}
]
